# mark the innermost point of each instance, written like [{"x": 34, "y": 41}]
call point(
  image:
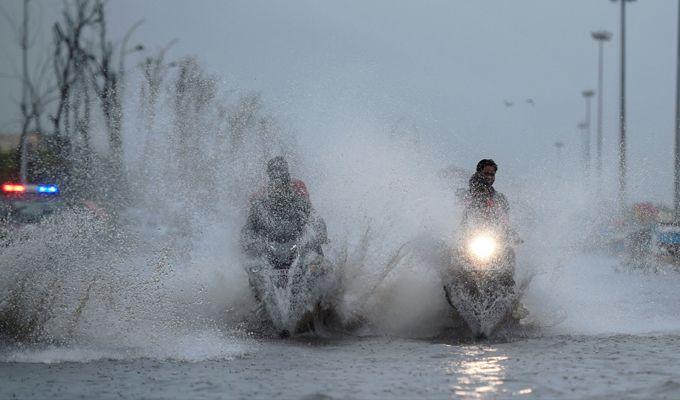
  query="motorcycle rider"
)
[
  {"x": 484, "y": 202},
  {"x": 281, "y": 212}
]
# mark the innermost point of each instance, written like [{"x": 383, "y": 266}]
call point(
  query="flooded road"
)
[
  {"x": 598, "y": 331},
  {"x": 557, "y": 367}
]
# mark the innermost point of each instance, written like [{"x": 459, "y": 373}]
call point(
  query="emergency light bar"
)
[
  {"x": 13, "y": 188},
  {"x": 17, "y": 188},
  {"x": 48, "y": 189}
]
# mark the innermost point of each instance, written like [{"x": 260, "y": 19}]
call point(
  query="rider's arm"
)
[
  {"x": 251, "y": 241},
  {"x": 304, "y": 202},
  {"x": 316, "y": 223},
  {"x": 505, "y": 218}
]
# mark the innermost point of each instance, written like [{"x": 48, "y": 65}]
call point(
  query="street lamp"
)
[
  {"x": 587, "y": 94},
  {"x": 676, "y": 185},
  {"x": 600, "y": 37},
  {"x": 622, "y": 110},
  {"x": 582, "y": 126},
  {"x": 558, "y": 146}
]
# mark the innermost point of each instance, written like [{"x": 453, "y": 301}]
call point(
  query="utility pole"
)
[
  {"x": 587, "y": 94},
  {"x": 600, "y": 37},
  {"x": 676, "y": 186},
  {"x": 622, "y": 112},
  {"x": 582, "y": 126},
  {"x": 558, "y": 146}
]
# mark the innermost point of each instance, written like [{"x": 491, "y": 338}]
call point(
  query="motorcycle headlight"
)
[{"x": 482, "y": 247}]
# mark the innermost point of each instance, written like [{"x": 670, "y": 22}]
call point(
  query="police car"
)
[{"x": 28, "y": 203}]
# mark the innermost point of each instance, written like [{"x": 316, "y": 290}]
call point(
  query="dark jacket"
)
[
  {"x": 281, "y": 214},
  {"x": 484, "y": 204}
]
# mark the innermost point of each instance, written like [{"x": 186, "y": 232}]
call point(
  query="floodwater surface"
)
[
  {"x": 557, "y": 367},
  {"x": 597, "y": 330}
]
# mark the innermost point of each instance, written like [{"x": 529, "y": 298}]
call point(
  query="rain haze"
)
[
  {"x": 279, "y": 199},
  {"x": 444, "y": 68}
]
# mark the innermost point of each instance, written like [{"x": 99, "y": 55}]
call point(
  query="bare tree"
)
[
  {"x": 247, "y": 124},
  {"x": 242, "y": 117},
  {"x": 25, "y": 92},
  {"x": 85, "y": 67},
  {"x": 194, "y": 93},
  {"x": 154, "y": 70},
  {"x": 35, "y": 87},
  {"x": 109, "y": 82},
  {"x": 70, "y": 59},
  {"x": 251, "y": 137},
  {"x": 72, "y": 115}
]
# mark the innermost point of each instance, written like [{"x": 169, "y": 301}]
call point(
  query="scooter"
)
[
  {"x": 479, "y": 283},
  {"x": 293, "y": 285}
]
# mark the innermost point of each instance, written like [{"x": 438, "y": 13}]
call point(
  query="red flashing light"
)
[{"x": 13, "y": 188}]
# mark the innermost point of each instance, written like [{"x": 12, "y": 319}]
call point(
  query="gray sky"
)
[{"x": 444, "y": 66}]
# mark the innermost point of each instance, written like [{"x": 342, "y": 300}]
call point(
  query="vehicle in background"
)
[
  {"x": 665, "y": 239},
  {"x": 607, "y": 234},
  {"x": 665, "y": 243},
  {"x": 22, "y": 204},
  {"x": 647, "y": 236},
  {"x": 641, "y": 223}
]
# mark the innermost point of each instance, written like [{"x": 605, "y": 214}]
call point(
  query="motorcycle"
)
[
  {"x": 480, "y": 284},
  {"x": 293, "y": 285}
]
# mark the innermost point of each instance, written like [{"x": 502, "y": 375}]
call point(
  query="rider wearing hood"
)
[{"x": 281, "y": 212}]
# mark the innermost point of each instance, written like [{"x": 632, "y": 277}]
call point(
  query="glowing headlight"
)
[{"x": 483, "y": 247}]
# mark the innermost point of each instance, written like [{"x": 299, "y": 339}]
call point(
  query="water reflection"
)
[{"x": 480, "y": 374}]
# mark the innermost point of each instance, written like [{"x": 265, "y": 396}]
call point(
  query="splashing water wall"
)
[{"x": 166, "y": 280}]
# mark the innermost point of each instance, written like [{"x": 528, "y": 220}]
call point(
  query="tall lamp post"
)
[
  {"x": 622, "y": 111},
  {"x": 587, "y": 94},
  {"x": 582, "y": 126},
  {"x": 558, "y": 146},
  {"x": 676, "y": 186},
  {"x": 600, "y": 37}
]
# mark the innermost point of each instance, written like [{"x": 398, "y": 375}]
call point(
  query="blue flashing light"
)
[{"x": 48, "y": 189}]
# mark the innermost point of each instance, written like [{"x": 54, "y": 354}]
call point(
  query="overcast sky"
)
[{"x": 445, "y": 67}]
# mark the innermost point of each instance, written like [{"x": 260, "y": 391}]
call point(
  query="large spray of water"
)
[{"x": 165, "y": 279}]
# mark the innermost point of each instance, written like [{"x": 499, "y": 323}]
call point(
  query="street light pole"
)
[
  {"x": 587, "y": 94},
  {"x": 676, "y": 186},
  {"x": 582, "y": 126},
  {"x": 600, "y": 37},
  {"x": 622, "y": 111},
  {"x": 559, "y": 145}
]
